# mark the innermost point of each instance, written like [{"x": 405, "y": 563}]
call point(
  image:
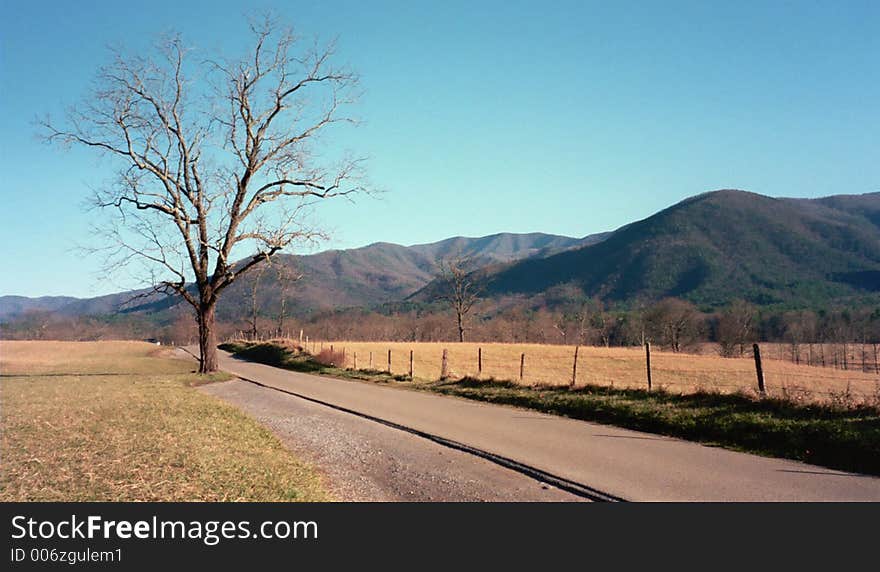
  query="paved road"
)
[
  {"x": 368, "y": 461},
  {"x": 603, "y": 459}
]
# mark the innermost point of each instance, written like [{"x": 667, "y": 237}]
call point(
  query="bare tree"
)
[
  {"x": 573, "y": 318},
  {"x": 605, "y": 323},
  {"x": 256, "y": 276},
  {"x": 215, "y": 160},
  {"x": 638, "y": 323},
  {"x": 800, "y": 327},
  {"x": 459, "y": 287},
  {"x": 674, "y": 322},
  {"x": 735, "y": 327},
  {"x": 285, "y": 277},
  {"x": 564, "y": 323}
]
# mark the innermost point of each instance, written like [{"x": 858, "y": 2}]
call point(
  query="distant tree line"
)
[{"x": 841, "y": 337}]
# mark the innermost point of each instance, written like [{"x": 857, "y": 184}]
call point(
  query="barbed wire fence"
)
[{"x": 547, "y": 366}]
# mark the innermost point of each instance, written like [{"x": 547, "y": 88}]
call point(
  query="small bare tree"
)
[
  {"x": 572, "y": 313},
  {"x": 735, "y": 328},
  {"x": 674, "y": 322},
  {"x": 256, "y": 276},
  {"x": 604, "y": 323},
  {"x": 459, "y": 287},
  {"x": 285, "y": 277},
  {"x": 215, "y": 160}
]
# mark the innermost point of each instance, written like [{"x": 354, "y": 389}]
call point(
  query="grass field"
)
[
  {"x": 121, "y": 421},
  {"x": 551, "y": 365}
]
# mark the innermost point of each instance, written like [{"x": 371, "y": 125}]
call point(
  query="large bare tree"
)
[{"x": 216, "y": 159}]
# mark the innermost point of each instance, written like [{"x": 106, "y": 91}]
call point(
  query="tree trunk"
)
[
  {"x": 254, "y": 331},
  {"x": 207, "y": 340},
  {"x": 281, "y": 318},
  {"x": 460, "y": 328}
]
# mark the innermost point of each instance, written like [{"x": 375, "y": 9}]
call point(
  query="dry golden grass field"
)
[
  {"x": 122, "y": 421},
  {"x": 615, "y": 367}
]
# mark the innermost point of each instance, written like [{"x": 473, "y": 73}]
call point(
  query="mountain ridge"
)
[
  {"x": 710, "y": 248},
  {"x": 368, "y": 275},
  {"x": 716, "y": 246}
]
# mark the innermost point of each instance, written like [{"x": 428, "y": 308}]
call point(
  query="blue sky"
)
[{"x": 483, "y": 117}]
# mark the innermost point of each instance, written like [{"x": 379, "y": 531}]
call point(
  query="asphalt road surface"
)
[
  {"x": 368, "y": 461},
  {"x": 396, "y": 444}
]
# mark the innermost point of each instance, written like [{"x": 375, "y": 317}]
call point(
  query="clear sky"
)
[{"x": 483, "y": 117}]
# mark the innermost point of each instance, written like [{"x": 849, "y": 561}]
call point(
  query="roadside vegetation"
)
[
  {"x": 121, "y": 421},
  {"x": 838, "y": 434},
  {"x": 290, "y": 356}
]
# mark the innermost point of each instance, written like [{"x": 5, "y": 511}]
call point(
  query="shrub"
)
[{"x": 332, "y": 358}]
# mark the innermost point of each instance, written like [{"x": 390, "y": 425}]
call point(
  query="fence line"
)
[
  {"x": 548, "y": 364},
  {"x": 845, "y": 356}
]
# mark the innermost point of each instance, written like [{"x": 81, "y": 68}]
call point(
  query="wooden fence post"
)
[
  {"x": 355, "y": 357},
  {"x": 371, "y": 360},
  {"x": 444, "y": 365},
  {"x": 343, "y": 357},
  {"x": 522, "y": 365},
  {"x": 300, "y": 337},
  {"x": 410, "y": 364},
  {"x": 648, "y": 362},
  {"x": 864, "y": 354},
  {"x": 574, "y": 368},
  {"x": 389, "y": 360},
  {"x": 758, "y": 369},
  {"x": 479, "y": 362},
  {"x": 876, "y": 367}
]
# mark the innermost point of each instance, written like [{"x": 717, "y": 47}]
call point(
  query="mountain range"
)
[
  {"x": 385, "y": 272},
  {"x": 710, "y": 249},
  {"x": 718, "y": 246},
  {"x": 375, "y": 274}
]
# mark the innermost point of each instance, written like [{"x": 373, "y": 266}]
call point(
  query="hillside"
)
[
  {"x": 718, "y": 246},
  {"x": 14, "y": 306},
  {"x": 11, "y": 306},
  {"x": 374, "y": 274},
  {"x": 503, "y": 247},
  {"x": 710, "y": 249},
  {"x": 384, "y": 272}
]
